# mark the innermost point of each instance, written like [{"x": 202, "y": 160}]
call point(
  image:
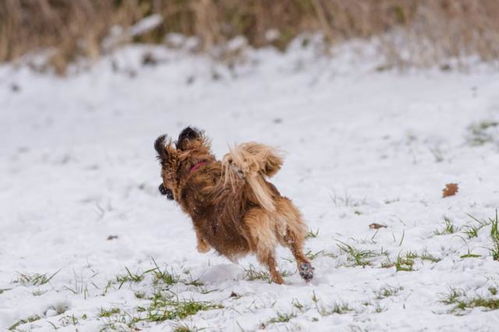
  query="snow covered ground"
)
[{"x": 88, "y": 243}]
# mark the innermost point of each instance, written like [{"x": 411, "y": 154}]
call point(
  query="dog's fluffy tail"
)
[{"x": 252, "y": 162}]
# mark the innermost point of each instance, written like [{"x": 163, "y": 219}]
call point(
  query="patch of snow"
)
[
  {"x": 145, "y": 25},
  {"x": 78, "y": 192}
]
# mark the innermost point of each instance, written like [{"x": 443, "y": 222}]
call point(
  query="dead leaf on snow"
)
[
  {"x": 377, "y": 226},
  {"x": 450, "y": 189}
]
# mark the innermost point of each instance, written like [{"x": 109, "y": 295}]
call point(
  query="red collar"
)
[{"x": 198, "y": 165}]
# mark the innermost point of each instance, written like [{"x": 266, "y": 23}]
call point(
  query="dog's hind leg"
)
[
  {"x": 305, "y": 268},
  {"x": 303, "y": 263},
  {"x": 294, "y": 236},
  {"x": 263, "y": 240},
  {"x": 202, "y": 246},
  {"x": 269, "y": 260}
]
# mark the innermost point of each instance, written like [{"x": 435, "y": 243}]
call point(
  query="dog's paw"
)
[
  {"x": 203, "y": 248},
  {"x": 306, "y": 271}
]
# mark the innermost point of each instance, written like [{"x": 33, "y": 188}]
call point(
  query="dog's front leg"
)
[{"x": 202, "y": 245}]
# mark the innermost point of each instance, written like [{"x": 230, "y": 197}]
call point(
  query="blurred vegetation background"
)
[{"x": 409, "y": 32}]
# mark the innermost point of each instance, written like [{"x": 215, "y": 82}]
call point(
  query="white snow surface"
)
[{"x": 362, "y": 146}]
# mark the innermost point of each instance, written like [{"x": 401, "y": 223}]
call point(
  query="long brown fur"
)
[{"x": 234, "y": 209}]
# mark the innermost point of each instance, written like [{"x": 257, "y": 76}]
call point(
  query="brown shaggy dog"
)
[{"x": 235, "y": 210}]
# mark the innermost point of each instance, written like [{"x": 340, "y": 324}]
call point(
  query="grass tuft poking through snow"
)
[
  {"x": 26, "y": 320},
  {"x": 482, "y": 132},
  {"x": 494, "y": 234},
  {"x": 129, "y": 277},
  {"x": 387, "y": 291},
  {"x": 460, "y": 302},
  {"x": 404, "y": 264},
  {"x": 34, "y": 279},
  {"x": 184, "y": 328},
  {"x": 257, "y": 273},
  {"x": 281, "y": 318},
  {"x": 166, "y": 307},
  {"x": 357, "y": 257},
  {"x": 311, "y": 234},
  {"x": 109, "y": 312},
  {"x": 449, "y": 227}
]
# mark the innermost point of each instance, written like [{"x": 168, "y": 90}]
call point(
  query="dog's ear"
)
[
  {"x": 187, "y": 135},
  {"x": 159, "y": 146}
]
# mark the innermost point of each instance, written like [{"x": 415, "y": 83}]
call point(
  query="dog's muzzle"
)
[{"x": 165, "y": 192}]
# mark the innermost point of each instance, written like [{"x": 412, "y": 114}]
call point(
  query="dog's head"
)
[{"x": 178, "y": 160}]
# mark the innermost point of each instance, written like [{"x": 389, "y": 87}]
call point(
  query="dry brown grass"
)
[{"x": 430, "y": 30}]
